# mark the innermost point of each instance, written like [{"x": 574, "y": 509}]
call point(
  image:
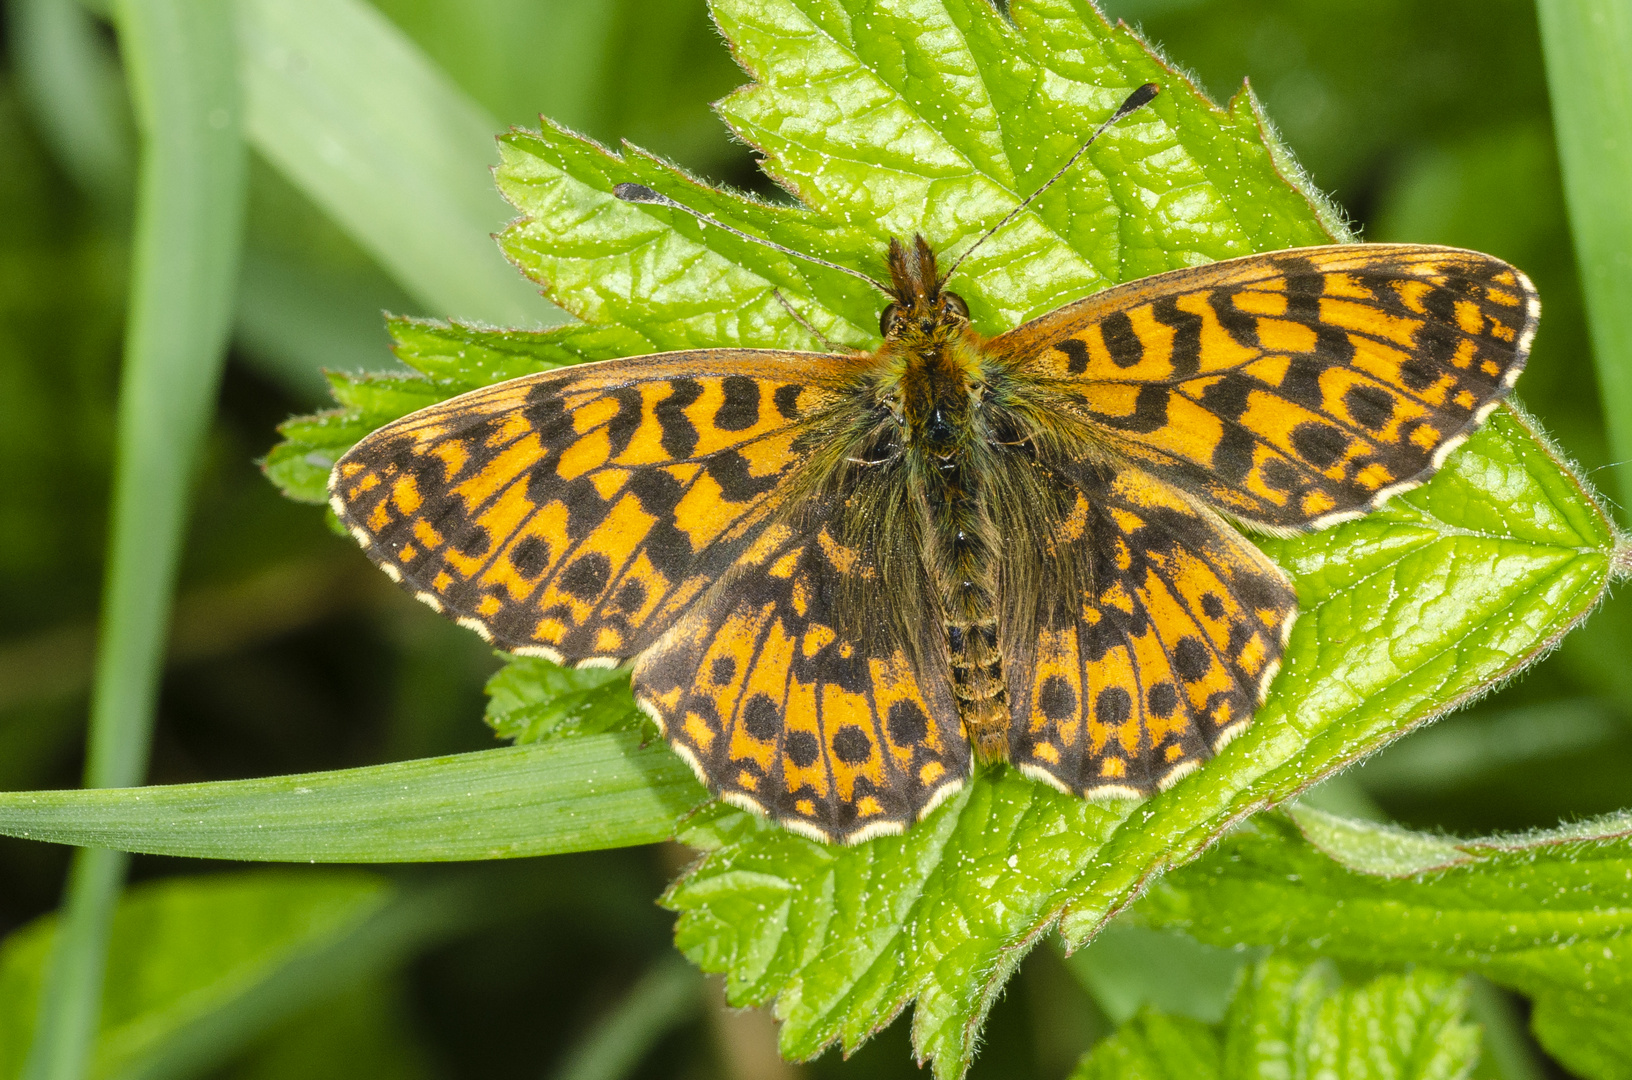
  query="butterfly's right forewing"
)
[{"x": 577, "y": 514}]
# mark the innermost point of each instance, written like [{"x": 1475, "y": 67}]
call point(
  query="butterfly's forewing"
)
[
  {"x": 1156, "y": 651},
  {"x": 1296, "y": 388},
  {"x": 576, "y": 514},
  {"x": 787, "y": 702}
]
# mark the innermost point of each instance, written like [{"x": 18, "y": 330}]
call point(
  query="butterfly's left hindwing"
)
[
  {"x": 785, "y": 702},
  {"x": 576, "y": 514},
  {"x": 1154, "y": 651}
]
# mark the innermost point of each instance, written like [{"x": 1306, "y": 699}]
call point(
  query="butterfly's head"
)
[{"x": 920, "y": 312}]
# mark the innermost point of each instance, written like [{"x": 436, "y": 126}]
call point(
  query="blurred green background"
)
[{"x": 1427, "y": 123}]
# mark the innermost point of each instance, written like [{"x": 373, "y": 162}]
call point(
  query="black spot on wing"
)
[
  {"x": 740, "y": 409},
  {"x": 1056, "y": 700},
  {"x": 851, "y": 745},
  {"x": 1241, "y": 326},
  {"x": 1319, "y": 444},
  {"x": 786, "y": 398},
  {"x": 679, "y": 438},
  {"x": 1371, "y": 406},
  {"x": 802, "y": 748},
  {"x": 1113, "y": 706},
  {"x": 1186, "y": 335},
  {"x": 530, "y": 556},
  {"x": 1076, "y": 355},
  {"x": 761, "y": 718},
  {"x": 907, "y": 723},
  {"x": 1121, "y": 341},
  {"x": 586, "y": 576},
  {"x": 730, "y": 470},
  {"x": 1191, "y": 659}
]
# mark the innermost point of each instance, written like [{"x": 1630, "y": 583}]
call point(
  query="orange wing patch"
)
[
  {"x": 1162, "y": 654},
  {"x": 576, "y": 514},
  {"x": 1294, "y": 389},
  {"x": 833, "y": 730}
]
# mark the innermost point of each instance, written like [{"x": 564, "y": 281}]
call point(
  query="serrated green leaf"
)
[
  {"x": 530, "y": 700},
  {"x": 937, "y": 116},
  {"x": 1155, "y": 1046},
  {"x": 1291, "y": 1020},
  {"x": 1546, "y": 914}
]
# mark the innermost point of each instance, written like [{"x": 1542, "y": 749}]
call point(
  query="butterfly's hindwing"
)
[
  {"x": 577, "y": 513},
  {"x": 1296, "y": 388},
  {"x": 1143, "y": 666},
  {"x": 784, "y": 702}
]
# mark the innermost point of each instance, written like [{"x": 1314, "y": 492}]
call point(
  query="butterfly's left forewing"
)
[
  {"x": 1291, "y": 389},
  {"x": 576, "y": 514}
]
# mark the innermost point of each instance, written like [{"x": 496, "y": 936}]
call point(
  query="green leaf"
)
[
  {"x": 1291, "y": 1020},
  {"x": 1546, "y": 914},
  {"x": 1155, "y": 1046},
  {"x": 937, "y": 116},
  {"x": 1127, "y": 967},
  {"x": 580, "y": 794},
  {"x": 185, "y": 957},
  {"x": 530, "y": 700}
]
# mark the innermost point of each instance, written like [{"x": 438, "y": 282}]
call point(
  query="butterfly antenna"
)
[
  {"x": 1135, "y": 101},
  {"x": 640, "y": 193}
]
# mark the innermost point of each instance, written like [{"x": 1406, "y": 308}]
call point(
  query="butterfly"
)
[{"x": 844, "y": 579}]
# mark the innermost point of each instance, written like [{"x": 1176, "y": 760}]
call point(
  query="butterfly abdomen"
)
[{"x": 963, "y": 562}]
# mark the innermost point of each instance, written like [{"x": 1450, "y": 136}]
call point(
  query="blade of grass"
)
[
  {"x": 189, "y": 207},
  {"x": 1588, "y": 49},
  {"x": 70, "y": 81},
  {"x": 356, "y": 116},
  {"x": 668, "y": 995},
  {"x": 577, "y": 794}
]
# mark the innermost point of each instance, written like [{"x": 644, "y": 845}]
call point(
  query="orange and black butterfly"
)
[{"x": 843, "y": 578}]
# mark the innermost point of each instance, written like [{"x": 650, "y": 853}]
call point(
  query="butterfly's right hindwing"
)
[
  {"x": 785, "y": 702},
  {"x": 576, "y": 514}
]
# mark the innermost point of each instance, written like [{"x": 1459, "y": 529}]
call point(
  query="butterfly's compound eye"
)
[
  {"x": 886, "y": 319},
  {"x": 952, "y": 304}
]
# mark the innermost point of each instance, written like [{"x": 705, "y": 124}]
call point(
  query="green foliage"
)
[
  {"x": 1589, "y": 69},
  {"x": 190, "y": 962},
  {"x": 1543, "y": 913},
  {"x": 931, "y": 116},
  {"x": 1405, "y": 613},
  {"x": 1290, "y": 1020},
  {"x": 532, "y": 699}
]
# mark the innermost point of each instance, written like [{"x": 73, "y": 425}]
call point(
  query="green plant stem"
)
[
  {"x": 180, "y": 63},
  {"x": 1588, "y": 48}
]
